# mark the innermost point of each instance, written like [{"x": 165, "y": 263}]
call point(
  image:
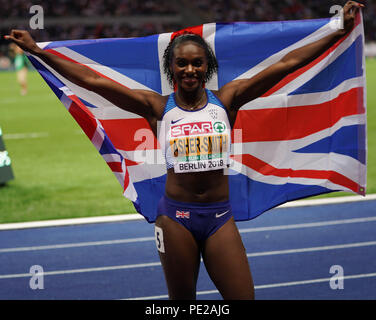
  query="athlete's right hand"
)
[{"x": 23, "y": 39}]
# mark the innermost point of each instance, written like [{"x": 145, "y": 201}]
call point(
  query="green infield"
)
[{"x": 58, "y": 172}]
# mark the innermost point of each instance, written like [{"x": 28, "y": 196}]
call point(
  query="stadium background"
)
[{"x": 58, "y": 173}]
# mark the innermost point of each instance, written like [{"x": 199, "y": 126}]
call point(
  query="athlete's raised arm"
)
[
  {"x": 144, "y": 103},
  {"x": 238, "y": 92}
]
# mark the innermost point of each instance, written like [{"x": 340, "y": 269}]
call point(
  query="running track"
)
[{"x": 290, "y": 249}]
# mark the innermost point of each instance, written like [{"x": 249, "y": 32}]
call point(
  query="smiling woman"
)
[{"x": 194, "y": 216}]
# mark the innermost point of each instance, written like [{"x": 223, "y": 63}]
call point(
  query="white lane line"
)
[
  {"x": 268, "y": 286},
  {"x": 294, "y": 283},
  {"x": 312, "y": 249},
  {"x": 60, "y": 272},
  {"x": 143, "y": 239},
  {"x": 30, "y": 135},
  {"x": 68, "y": 222},
  {"x": 38, "y": 97},
  {"x": 308, "y": 225},
  {"x": 78, "y": 244},
  {"x": 323, "y": 201},
  {"x": 152, "y": 264}
]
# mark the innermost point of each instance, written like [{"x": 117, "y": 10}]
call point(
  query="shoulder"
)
[
  {"x": 227, "y": 93},
  {"x": 155, "y": 100}
]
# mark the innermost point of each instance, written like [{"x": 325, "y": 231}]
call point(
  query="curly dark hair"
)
[{"x": 184, "y": 37}]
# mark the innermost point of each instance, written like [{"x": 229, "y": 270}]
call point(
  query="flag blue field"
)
[{"x": 305, "y": 136}]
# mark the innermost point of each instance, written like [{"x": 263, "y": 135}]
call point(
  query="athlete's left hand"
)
[{"x": 350, "y": 11}]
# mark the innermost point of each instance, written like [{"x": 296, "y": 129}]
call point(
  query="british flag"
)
[
  {"x": 305, "y": 136},
  {"x": 182, "y": 214}
]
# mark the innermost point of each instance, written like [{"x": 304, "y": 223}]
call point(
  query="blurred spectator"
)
[
  {"x": 5, "y": 63},
  {"x": 20, "y": 65}
]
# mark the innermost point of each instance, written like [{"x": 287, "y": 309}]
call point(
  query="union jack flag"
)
[
  {"x": 182, "y": 214},
  {"x": 305, "y": 136}
]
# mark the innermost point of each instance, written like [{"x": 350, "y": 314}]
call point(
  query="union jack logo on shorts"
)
[{"x": 182, "y": 214}]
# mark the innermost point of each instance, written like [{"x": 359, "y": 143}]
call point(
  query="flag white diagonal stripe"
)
[
  {"x": 310, "y": 73},
  {"x": 318, "y": 34},
  {"x": 306, "y": 99}
]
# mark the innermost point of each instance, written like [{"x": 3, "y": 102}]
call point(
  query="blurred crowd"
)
[
  {"x": 121, "y": 10},
  {"x": 102, "y": 30},
  {"x": 87, "y": 8},
  {"x": 273, "y": 10},
  {"x": 18, "y": 10}
]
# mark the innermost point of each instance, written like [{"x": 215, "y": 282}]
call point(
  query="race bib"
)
[{"x": 200, "y": 146}]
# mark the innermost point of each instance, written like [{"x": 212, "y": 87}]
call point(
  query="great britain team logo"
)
[
  {"x": 182, "y": 214},
  {"x": 213, "y": 113}
]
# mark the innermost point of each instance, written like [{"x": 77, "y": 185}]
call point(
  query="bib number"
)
[{"x": 159, "y": 239}]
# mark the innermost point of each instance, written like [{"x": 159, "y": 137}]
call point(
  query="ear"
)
[{"x": 171, "y": 73}]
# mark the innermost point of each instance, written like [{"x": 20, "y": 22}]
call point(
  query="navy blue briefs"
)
[{"x": 201, "y": 219}]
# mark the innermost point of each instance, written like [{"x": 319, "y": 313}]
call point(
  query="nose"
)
[{"x": 189, "y": 68}]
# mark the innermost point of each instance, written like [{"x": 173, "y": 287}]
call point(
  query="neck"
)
[{"x": 191, "y": 100}]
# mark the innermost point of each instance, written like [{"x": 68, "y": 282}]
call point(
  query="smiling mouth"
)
[{"x": 190, "y": 80}]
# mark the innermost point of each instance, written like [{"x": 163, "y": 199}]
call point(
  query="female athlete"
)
[{"x": 194, "y": 216}]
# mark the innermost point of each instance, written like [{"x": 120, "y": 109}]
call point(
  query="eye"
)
[
  {"x": 181, "y": 63},
  {"x": 197, "y": 63}
]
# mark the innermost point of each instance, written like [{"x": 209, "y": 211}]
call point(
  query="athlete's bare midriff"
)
[{"x": 207, "y": 186}]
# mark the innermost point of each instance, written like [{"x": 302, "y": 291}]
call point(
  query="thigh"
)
[
  {"x": 227, "y": 263},
  {"x": 180, "y": 259}
]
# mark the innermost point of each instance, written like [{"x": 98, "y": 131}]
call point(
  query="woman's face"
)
[{"x": 189, "y": 66}]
